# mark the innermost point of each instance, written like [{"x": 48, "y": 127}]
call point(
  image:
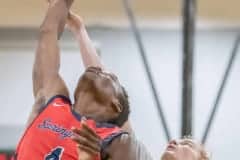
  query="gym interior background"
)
[{"x": 160, "y": 22}]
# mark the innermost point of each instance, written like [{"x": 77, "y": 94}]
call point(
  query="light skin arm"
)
[
  {"x": 46, "y": 79},
  {"x": 127, "y": 147}
]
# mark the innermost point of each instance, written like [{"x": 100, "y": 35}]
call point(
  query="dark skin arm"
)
[
  {"x": 125, "y": 147},
  {"x": 88, "y": 52},
  {"x": 46, "y": 79}
]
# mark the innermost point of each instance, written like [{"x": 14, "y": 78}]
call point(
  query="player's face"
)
[
  {"x": 101, "y": 89},
  {"x": 184, "y": 149}
]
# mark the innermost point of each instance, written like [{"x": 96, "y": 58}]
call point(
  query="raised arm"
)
[
  {"x": 46, "y": 79},
  {"x": 88, "y": 51}
]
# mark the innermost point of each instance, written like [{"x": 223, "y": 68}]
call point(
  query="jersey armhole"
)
[
  {"x": 64, "y": 98},
  {"x": 107, "y": 141}
]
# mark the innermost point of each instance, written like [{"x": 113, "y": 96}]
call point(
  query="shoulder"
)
[
  {"x": 128, "y": 147},
  {"x": 41, "y": 103},
  {"x": 58, "y": 100}
]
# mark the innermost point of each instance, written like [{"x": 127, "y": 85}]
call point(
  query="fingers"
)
[
  {"x": 82, "y": 141},
  {"x": 70, "y": 22},
  {"x": 49, "y": 1},
  {"x": 72, "y": 15},
  {"x": 89, "y": 130},
  {"x": 87, "y": 149},
  {"x": 74, "y": 22},
  {"x": 86, "y": 134},
  {"x": 87, "y": 139}
]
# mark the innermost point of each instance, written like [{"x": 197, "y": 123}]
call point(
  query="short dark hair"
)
[{"x": 123, "y": 116}]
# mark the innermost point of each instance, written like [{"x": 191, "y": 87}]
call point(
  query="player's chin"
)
[
  {"x": 88, "y": 78},
  {"x": 169, "y": 155}
]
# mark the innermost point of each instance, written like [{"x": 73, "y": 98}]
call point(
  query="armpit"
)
[{"x": 36, "y": 109}]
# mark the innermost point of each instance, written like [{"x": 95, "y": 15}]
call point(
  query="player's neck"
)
[{"x": 83, "y": 104}]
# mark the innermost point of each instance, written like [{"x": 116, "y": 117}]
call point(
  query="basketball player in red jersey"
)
[{"x": 99, "y": 99}]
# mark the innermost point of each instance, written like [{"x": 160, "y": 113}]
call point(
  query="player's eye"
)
[
  {"x": 113, "y": 77},
  {"x": 187, "y": 144}
]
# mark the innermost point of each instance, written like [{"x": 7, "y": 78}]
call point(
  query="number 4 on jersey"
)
[{"x": 55, "y": 154}]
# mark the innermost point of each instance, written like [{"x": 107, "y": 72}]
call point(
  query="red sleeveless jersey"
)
[{"x": 48, "y": 137}]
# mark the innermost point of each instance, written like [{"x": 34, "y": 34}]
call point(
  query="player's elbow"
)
[
  {"x": 47, "y": 29},
  {"x": 37, "y": 74}
]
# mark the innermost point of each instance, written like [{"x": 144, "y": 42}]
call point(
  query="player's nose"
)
[{"x": 174, "y": 142}]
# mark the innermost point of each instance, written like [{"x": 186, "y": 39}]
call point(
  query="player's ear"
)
[{"x": 117, "y": 106}]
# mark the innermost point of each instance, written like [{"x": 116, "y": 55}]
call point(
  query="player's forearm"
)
[
  {"x": 128, "y": 127},
  {"x": 47, "y": 59},
  {"x": 46, "y": 65},
  {"x": 88, "y": 51},
  {"x": 128, "y": 148}
]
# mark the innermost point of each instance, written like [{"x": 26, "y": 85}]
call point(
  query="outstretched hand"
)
[
  {"x": 88, "y": 142},
  {"x": 74, "y": 22}
]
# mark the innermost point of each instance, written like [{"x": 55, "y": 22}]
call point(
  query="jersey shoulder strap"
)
[{"x": 57, "y": 101}]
